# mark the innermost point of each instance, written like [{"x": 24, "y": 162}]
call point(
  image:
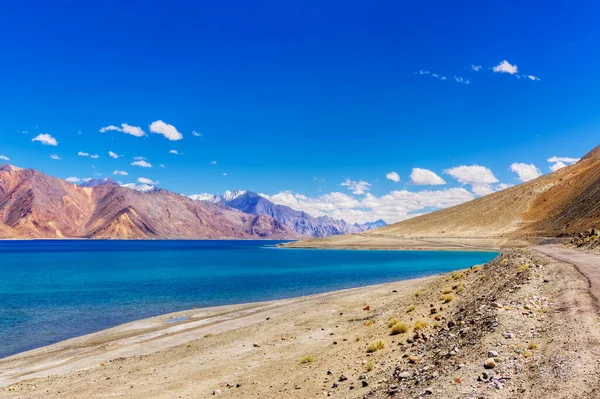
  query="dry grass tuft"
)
[
  {"x": 447, "y": 298},
  {"x": 410, "y": 308},
  {"x": 420, "y": 325},
  {"x": 447, "y": 290},
  {"x": 399, "y": 328},
  {"x": 307, "y": 359},
  {"x": 375, "y": 346}
]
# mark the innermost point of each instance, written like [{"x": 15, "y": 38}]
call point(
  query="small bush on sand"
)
[
  {"x": 436, "y": 324},
  {"x": 307, "y": 359},
  {"x": 527, "y": 354},
  {"x": 370, "y": 365},
  {"x": 392, "y": 322},
  {"x": 399, "y": 328},
  {"x": 457, "y": 275},
  {"x": 357, "y": 338},
  {"x": 447, "y": 298},
  {"x": 532, "y": 346},
  {"x": 447, "y": 290},
  {"x": 420, "y": 325},
  {"x": 459, "y": 289},
  {"x": 523, "y": 268},
  {"x": 375, "y": 346},
  {"x": 208, "y": 336},
  {"x": 477, "y": 268},
  {"x": 436, "y": 316},
  {"x": 417, "y": 293},
  {"x": 410, "y": 308}
]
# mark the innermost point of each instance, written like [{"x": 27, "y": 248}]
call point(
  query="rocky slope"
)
[
  {"x": 35, "y": 205},
  {"x": 564, "y": 202},
  {"x": 300, "y": 222}
]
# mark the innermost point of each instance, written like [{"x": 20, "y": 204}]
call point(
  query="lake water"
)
[{"x": 54, "y": 290}]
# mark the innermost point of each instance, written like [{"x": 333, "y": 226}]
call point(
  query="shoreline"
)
[{"x": 162, "y": 332}]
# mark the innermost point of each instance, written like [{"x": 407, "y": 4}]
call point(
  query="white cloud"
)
[
  {"x": 4, "y": 158},
  {"x": 161, "y": 165},
  {"x": 525, "y": 171},
  {"x": 476, "y": 68},
  {"x": 563, "y": 159},
  {"x": 95, "y": 156},
  {"x": 459, "y": 79},
  {"x": 145, "y": 180},
  {"x": 73, "y": 179},
  {"x": 425, "y": 177},
  {"x": 485, "y": 189},
  {"x": 197, "y": 134},
  {"x": 125, "y": 128},
  {"x": 531, "y": 77},
  {"x": 474, "y": 174},
  {"x": 142, "y": 163},
  {"x": 505, "y": 67},
  {"x": 357, "y": 187},
  {"x": 54, "y": 156},
  {"x": 213, "y": 163},
  {"x": 169, "y": 131},
  {"x": 174, "y": 152},
  {"x": 113, "y": 155},
  {"x": 224, "y": 173},
  {"x": 45, "y": 139},
  {"x": 120, "y": 173},
  {"x": 83, "y": 154},
  {"x": 139, "y": 158},
  {"x": 392, "y": 207},
  {"x": 393, "y": 176},
  {"x": 560, "y": 162},
  {"x": 557, "y": 165}
]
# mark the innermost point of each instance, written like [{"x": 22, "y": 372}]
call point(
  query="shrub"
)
[
  {"x": 523, "y": 268},
  {"x": 357, "y": 338},
  {"x": 436, "y": 316},
  {"x": 410, "y": 308},
  {"x": 447, "y": 290},
  {"x": 477, "y": 268},
  {"x": 532, "y": 346},
  {"x": 208, "y": 336},
  {"x": 460, "y": 289},
  {"x": 399, "y": 328},
  {"x": 417, "y": 293},
  {"x": 447, "y": 298},
  {"x": 307, "y": 359},
  {"x": 375, "y": 346},
  {"x": 392, "y": 322},
  {"x": 370, "y": 365},
  {"x": 420, "y": 325},
  {"x": 457, "y": 275}
]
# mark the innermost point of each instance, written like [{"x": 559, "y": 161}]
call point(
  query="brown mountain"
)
[
  {"x": 566, "y": 201},
  {"x": 35, "y": 205}
]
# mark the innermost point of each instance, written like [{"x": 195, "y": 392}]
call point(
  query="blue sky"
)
[{"x": 293, "y": 98}]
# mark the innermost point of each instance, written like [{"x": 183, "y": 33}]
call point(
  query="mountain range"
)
[
  {"x": 36, "y": 205},
  {"x": 561, "y": 203},
  {"x": 301, "y": 222}
]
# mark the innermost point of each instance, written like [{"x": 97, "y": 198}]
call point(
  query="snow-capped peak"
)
[
  {"x": 218, "y": 199},
  {"x": 144, "y": 188}
]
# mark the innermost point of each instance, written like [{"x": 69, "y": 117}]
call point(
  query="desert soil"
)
[{"x": 529, "y": 317}]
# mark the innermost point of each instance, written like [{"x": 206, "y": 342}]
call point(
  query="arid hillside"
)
[
  {"x": 35, "y": 205},
  {"x": 566, "y": 201}
]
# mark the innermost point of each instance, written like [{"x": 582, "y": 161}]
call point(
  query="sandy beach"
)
[{"x": 538, "y": 323}]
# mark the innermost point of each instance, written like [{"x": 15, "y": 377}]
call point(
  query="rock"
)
[
  {"x": 485, "y": 375},
  {"x": 414, "y": 359},
  {"x": 238, "y": 385},
  {"x": 229, "y": 385},
  {"x": 329, "y": 372},
  {"x": 342, "y": 378},
  {"x": 508, "y": 335},
  {"x": 256, "y": 345},
  {"x": 362, "y": 377},
  {"x": 492, "y": 354},
  {"x": 432, "y": 311},
  {"x": 490, "y": 363},
  {"x": 451, "y": 323},
  {"x": 335, "y": 385},
  {"x": 404, "y": 375},
  {"x": 364, "y": 383},
  {"x": 297, "y": 387},
  {"x": 217, "y": 392}
]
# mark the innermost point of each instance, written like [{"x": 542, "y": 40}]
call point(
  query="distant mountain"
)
[
  {"x": 99, "y": 182},
  {"x": 300, "y": 222},
  {"x": 561, "y": 203},
  {"x": 35, "y": 205}
]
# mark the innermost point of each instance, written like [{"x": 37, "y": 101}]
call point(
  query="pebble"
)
[
  {"x": 342, "y": 378},
  {"x": 217, "y": 392},
  {"x": 256, "y": 345},
  {"x": 490, "y": 363},
  {"x": 404, "y": 375},
  {"x": 492, "y": 354},
  {"x": 365, "y": 383}
]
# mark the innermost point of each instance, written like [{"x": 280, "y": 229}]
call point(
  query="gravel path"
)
[{"x": 587, "y": 263}]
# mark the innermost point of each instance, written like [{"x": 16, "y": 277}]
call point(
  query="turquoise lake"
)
[{"x": 54, "y": 290}]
